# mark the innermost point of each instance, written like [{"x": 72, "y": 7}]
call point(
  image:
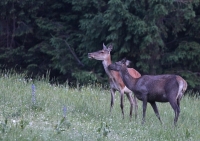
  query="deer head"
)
[
  {"x": 118, "y": 65},
  {"x": 101, "y": 54}
]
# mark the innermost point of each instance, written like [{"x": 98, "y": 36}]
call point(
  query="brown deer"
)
[
  {"x": 116, "y": 83},
  {"x": 153, "y": 88}
]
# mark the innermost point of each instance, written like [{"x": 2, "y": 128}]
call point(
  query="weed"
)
[{"x": 58, "y": 112}]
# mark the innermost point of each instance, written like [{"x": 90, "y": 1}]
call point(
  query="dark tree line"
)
[{"x": 158, "y": 36}]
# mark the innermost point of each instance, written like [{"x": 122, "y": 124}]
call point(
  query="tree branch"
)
[{"x": 73, "y": 53}]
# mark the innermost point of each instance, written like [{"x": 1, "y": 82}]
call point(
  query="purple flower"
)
[
  {"x": 64, "y": 111},
  {"x": 33, "y": 95}
]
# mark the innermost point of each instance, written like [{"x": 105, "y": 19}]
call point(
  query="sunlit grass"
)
[{"x": 86, "y": 116}]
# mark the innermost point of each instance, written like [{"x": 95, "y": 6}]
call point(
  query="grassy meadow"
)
[{"x": 49, "y": 112}]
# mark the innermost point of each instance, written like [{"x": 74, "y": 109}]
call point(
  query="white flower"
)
[{"x": 14, "y": 121}]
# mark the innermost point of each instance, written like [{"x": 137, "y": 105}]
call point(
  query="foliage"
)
[{"x": 157, "y": 36}]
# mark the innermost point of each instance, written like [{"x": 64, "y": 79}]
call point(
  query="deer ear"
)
[
  {"x": 104, "y": 47},
  {"x": 128, "y": 63},
  {"x": 123, "y": 61},
  {"x": 110, "y": 48}
]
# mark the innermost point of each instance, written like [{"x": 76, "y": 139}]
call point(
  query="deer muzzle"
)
[{"x": 90, "y": 56}]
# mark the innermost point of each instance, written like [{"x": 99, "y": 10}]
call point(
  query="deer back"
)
[
  {"x": 157, "y": 84},
  {"x": 118, "y": 79}
]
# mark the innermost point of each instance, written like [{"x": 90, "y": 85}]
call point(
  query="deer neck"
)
[
  {"x": 106, "y": 63},
  {"x": 128, "y": 80}
]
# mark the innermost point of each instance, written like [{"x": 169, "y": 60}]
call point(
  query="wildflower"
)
[
  {"x": 33, "y": 95},
  {"x": 64, "y": 111}
]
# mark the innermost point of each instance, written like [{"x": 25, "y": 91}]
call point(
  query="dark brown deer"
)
[
  {"x": 153, "y": 88},
  {"x": 116, "y": 83}
]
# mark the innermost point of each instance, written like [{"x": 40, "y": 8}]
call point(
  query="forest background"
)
[{"x": 53, "y": 37}]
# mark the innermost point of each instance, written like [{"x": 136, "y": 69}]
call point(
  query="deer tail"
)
[{"x": 182, "y": 87}]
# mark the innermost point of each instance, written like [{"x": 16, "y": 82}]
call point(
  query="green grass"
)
[{"x": 87, "y": 117}]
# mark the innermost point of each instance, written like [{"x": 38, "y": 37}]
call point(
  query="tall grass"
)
[{"x": 82, "y": 113}]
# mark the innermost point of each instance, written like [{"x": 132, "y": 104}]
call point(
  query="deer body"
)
[
  {"x": 154, "y": 88},
  {"x": 115, "y": 80},
  {"x": 145, "y": 86}
]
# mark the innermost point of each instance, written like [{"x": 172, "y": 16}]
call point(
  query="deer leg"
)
[
  {"x": 144, "y": 109},
  {"x": 178, "y": 102},
  {"x": 136, "y": 106},
  {"x": 131, "y": 103},
  {"x": 154, "y": 106},
  {"x": 176, "y": 109},
  {"x": 112, "y": 91},
  {"x": 122, "y": 103}
]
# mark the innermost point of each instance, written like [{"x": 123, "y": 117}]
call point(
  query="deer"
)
[
  {"x": 153, "y": 88},
  {"x": 115, "y": 80}
]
